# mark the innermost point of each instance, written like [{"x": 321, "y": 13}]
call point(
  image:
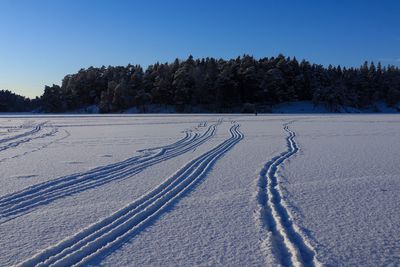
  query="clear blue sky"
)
[{"x": 43, "y": 40}]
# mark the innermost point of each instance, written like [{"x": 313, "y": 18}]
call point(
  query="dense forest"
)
[
  {"x": 215, "y": 85},
  {"x": 10, "y": 102}
]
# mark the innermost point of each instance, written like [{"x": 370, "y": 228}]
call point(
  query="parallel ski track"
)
[
  {"x": 54, "y": 131},
  {"x": 289, "y": 244},
  {"x": 18, "y": 203},
  {"x": 10, "y": 131},
  {"x": 36, "y": 129},
  {"x": 102, "y": 237},
  {"x": 26, "y": 137}
]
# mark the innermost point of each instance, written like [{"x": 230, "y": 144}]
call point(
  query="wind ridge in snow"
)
[
  {"x": 104, "y": 236},
  {"x": 18, "y": 203},
  {"x": 289, "y": 245}
]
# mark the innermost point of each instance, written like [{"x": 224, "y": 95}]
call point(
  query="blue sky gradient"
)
[{"x": 43, "y": 40}]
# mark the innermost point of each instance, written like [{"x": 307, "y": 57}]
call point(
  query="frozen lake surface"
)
[{"x": 200, "y": 190}]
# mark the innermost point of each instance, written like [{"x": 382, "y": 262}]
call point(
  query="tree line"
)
[
  {"x": 218, "y": 85},
  {"x": 11, "y": 102}
]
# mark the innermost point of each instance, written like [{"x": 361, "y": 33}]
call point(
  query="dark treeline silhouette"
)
[
  {"x": 216, "y": 85},
  {"x": 10, "y": 102}
]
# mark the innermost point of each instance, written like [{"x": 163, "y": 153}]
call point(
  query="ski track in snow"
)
[
  {"x": 289, "y": 244},
  {"x": 95, "y": 241},
  {"x": 16, "y": 140},
  {"x": 21, "y": 202},
  {"x": 35, "y": 129},
  {"x": 67, "y": 134}
]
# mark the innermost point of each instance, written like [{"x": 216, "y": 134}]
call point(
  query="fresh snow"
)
[{"x": 199, "y": 190}]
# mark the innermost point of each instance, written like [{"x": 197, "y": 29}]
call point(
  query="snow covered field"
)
[{"x": 200, "y": 190}]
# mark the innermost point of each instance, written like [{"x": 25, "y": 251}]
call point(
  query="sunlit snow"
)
[{"x": 200, "y": 190}]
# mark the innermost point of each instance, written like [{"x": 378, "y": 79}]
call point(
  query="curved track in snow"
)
[
  {"x": 35, "y": 133},
  {"x": 106, "y": 235},
  {"x": 35, "y": 129},
  {"x": 289, "y": 245},
  {"x": 54, "y": 131},
  {"x": 18, "y": 203}
]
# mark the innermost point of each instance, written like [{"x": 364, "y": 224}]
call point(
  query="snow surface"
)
[{"x": 200, "y": 190}]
